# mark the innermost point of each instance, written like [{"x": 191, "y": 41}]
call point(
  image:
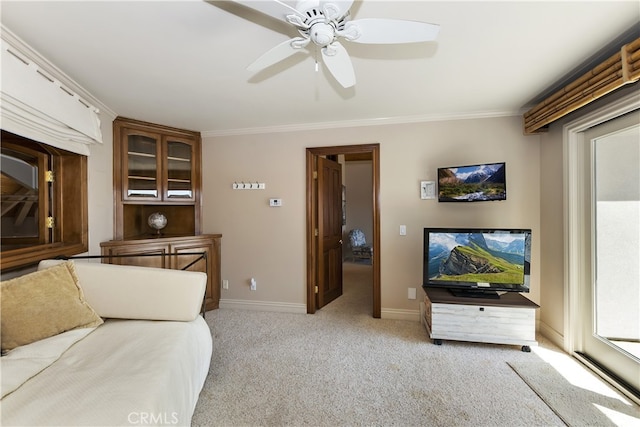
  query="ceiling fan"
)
[{"x": 324, "y": 22}]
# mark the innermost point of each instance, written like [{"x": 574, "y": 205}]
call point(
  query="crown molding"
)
[{"x": 359, "y": 123}]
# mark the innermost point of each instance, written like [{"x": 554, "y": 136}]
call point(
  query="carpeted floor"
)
[
  {"x": 576, "y": 395},
  {"x": 341, "y": 367}
]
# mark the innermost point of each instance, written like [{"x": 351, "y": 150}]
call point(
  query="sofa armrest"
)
[{"x": 141, "y": 293}]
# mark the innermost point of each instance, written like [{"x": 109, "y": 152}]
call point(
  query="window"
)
[{"x": 43, "y": 202}]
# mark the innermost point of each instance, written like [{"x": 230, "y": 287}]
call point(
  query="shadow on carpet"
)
[{"x": 577, "y": 405}]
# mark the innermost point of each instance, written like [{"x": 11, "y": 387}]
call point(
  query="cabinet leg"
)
[
  {"x": 526, "y": 349},
  {"x": 437, "y": 342}
]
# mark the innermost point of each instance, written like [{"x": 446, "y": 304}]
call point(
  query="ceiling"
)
[{"x": 183, "y": 63}]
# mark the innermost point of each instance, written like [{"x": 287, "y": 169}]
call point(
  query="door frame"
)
[
  {"x": 573, "y": 137},
  {"x": 311, "y": 217}
]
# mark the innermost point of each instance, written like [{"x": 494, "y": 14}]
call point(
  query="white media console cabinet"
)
[{"x": 511, "y": 319}]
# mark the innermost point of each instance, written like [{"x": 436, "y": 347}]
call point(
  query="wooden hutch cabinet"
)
[{"x": 157, "y": 168}]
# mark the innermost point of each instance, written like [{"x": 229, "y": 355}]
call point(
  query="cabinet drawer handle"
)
[{"x": 481, "y": 308}]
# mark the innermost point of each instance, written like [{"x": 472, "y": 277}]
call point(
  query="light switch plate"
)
[{"x": 427, "y": 190}]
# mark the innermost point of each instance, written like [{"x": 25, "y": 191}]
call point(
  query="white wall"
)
[
  {"x": 269, "y": 243},
  {"x": 100, "y": 177},
  {"x": 551, "y": 232}
]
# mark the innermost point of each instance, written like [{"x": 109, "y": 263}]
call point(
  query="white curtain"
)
[{"x": 37, "y": 106}]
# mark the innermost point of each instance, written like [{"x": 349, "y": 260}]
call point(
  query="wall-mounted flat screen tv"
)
[
  {"x": 477, "y": 262},
  {"x": 473, "y": 183}
]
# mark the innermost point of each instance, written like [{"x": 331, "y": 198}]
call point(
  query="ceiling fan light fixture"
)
[
  {"x": 322, "y": 34},
  {"x": 323, "y": 22}
]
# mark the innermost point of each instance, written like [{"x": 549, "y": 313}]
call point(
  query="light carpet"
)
[
  {"x": 577, "y": 395},
  {"x": 341, "y": 367}
]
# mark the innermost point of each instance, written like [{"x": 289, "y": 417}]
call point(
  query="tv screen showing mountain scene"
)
[
  {"x": 477, "y": 257},
  {"x": 474, "y": 183}
]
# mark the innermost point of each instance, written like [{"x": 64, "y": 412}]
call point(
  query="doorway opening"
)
[{"x": 321, "y": 256}]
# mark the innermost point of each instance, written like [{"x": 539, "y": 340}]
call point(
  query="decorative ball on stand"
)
[{"x": 157, "y": 221}]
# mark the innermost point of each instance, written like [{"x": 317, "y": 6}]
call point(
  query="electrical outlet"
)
[
  {"x": 225, "y": 284},
  {"x": 253, "y": 284},
  {"x": 412, "y": 293},
  {"x": 403, "y": 230}
]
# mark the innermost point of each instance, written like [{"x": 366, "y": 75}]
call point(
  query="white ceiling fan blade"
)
[
  {"x": 274, "y": 8},
  {"x": 337, "y": 60},
  {"x": 392, "y": 31},
  {"x": 278, "y": 53}
]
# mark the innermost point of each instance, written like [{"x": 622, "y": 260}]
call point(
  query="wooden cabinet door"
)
[
  {"x": 179, "y": 170},
  {"x": 156, "y": 255},
  {"x": 211, "y": 266},
  {"x": 158, "y": 168},
  {"x": 141, "y": 165}
]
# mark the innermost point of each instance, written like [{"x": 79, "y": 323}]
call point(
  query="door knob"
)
[{"x": 340, "y": 241}]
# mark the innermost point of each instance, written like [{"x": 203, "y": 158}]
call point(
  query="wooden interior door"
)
[
  {"x": 329, "y": 268},
  {"x": 313, "y": 154}
]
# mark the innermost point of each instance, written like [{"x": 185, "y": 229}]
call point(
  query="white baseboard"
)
[
  {"x": 550, "y": 333},
  {"x": 286, "y": 307},
  {"x": 282, "y": 307},
  {"x": 396, "y": 314}
]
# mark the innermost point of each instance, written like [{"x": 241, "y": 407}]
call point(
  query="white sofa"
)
[{"x": 145, "y": 365}]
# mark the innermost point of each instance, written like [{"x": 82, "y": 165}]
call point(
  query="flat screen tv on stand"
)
[{"x": 477, "y": 262}]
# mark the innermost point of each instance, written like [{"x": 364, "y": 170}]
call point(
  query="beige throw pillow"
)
[{"x": 43, "y": 304}]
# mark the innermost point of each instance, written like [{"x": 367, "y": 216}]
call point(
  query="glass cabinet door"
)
[
  {"x": 179, "y": 170},
  {"x": 26, "y": 197},
  {"x": 142, "y": 166}
]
